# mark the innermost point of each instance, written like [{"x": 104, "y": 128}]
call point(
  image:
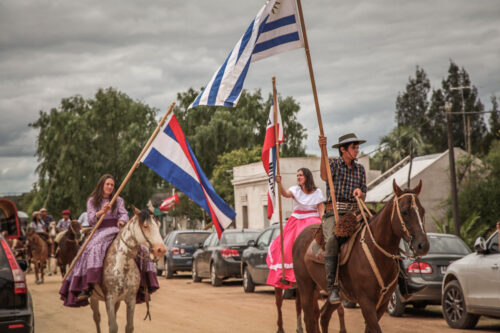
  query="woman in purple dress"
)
[{"x": 76, "y": 288}]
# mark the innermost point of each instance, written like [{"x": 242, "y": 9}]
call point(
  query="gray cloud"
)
[{"x": 363, "y": 54}]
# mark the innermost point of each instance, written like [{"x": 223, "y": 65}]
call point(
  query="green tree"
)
[
  {"x": 396, "y": 145},
  {"x": 480, "y": 193},
  {"x": 223, "y": 174},
  {"x": 468, "y": 98},
  {"x": 436, "y": 128},
  {"x": 411, "y": 105},
  {"x": 472, "y": 228},
  {"x": 83, "y": 139},
  {"x": 494, "y": 122}
]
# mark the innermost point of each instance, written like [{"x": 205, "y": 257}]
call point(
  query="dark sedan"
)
[
  {"x": 220, "y": 259},
  {"x": 181, "y": 244},
  {"x": 16, "y": 308},
  {"x": 253, "y": 260},
  {"x": 425, "y": 275}
]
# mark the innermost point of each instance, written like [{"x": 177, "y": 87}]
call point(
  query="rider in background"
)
[
  {"x": 349, "y": 181},
  {"x": 45, "y": 217},
  {"x": 38, "y": 225},
  {"x": 308, "y": 208},
  {"x": 62, "y": 226},
  {"x": 88, "y": 270}
]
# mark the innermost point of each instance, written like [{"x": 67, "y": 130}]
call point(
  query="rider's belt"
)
[{"x": 346, "y": 206}]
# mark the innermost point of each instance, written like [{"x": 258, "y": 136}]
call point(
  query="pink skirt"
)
[{"x": 291, "y": 230}]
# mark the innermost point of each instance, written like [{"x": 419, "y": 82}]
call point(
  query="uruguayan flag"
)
[
  {"x": 171, "y": 157},
  {"x": 275, "y": 29}
]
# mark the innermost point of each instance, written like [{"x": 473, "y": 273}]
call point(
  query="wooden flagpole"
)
[
  {"x": 277, "y": 141},
  {"x": 324, "y": 151},
  {"x": 131, "y": 171}
]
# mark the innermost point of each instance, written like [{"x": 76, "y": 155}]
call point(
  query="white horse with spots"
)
[{"x": 121, "y": 276}]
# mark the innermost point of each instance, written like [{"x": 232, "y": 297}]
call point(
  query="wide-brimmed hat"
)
[
  {"x": 348, "y": 138},
  {"x": 66, "y": 212}
]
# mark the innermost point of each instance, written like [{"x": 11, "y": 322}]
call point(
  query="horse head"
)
[
  {"x": 75, "y": 227},
  {"x": 52, "y": 229},
  {"x": 407, "y": 218},
  {"x": 148, "y": 232}
]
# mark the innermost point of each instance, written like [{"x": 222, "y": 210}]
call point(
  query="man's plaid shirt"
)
[{"x": 345, "y": 180}]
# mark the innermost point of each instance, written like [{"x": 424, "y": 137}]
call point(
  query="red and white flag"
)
[
  {"x": 269, "y": 157},
  {"x": 169, "y": 202}
]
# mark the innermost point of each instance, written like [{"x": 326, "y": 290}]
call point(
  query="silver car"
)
[{"x": 471, "y": 286}]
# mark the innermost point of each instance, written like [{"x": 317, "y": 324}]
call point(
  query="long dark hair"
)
[
  {"x": 98, "y": 193},
  {"x": 309, "y": 183}
]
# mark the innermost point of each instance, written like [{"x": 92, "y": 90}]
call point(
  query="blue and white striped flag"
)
[{"x": 275, "y": 29}]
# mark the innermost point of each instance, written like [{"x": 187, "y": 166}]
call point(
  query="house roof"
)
[{"x": 382, "y": 191}]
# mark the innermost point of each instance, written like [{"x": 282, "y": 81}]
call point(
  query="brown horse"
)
[
  {"x": 278, "y": 295},
  {"x": 68, "y": 246},
  {"x": 39, "y": 253},
  {"x": 370, "y": 273}
]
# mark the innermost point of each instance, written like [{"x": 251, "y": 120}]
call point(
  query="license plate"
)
[{"x": 443, "y": 269}]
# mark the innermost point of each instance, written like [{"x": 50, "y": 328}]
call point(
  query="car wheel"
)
[
  {"x": 454, "y": 309},
  {"x": 248, "y": 285},
  {"x": 214, "y": 280},
  {"x": 396, "y": 307},
  {"x": 194, "y": 273},
  {"x": 168, "y": 271},
  {"x": 349, "y": 304}
]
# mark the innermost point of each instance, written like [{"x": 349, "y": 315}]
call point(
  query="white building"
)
[{"x": 250, "y": 189}]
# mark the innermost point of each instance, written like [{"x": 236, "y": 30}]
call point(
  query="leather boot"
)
[
  {"x": 84, "y": 295},
  {"x": 331, "y": 273}
]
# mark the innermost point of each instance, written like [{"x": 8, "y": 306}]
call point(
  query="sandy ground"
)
[{"x": 183, "y": 306}]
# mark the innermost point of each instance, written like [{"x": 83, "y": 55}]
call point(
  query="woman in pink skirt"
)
[{"x": 308, "y": 208}]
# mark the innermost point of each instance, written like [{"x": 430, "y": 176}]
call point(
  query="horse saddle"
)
[{"x": 347, "y": 229}]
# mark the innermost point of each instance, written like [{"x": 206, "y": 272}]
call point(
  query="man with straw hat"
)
[{"x": 349, "y": 181}]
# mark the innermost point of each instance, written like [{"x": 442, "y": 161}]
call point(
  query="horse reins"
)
[{"x": 362, "y": 206}]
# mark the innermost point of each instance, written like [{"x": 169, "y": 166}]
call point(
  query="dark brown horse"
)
[
  {"x": 369, "y": 275},
  {"x": 39, "y": 253},
  {"x": 68, "y": 246}
]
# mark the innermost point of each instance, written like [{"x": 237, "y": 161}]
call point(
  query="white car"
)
[{"x": 471, "y": 286}]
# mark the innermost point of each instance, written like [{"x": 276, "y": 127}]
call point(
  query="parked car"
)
[
  {"x": 424, "y": 276},
  {"x": 220, "y": 259},
  {"x": 16, "y": 307},
  {"x": 471, "y": 286},
  {"x": 253, "y": 259},
  {"x": 181, "y": 244}
]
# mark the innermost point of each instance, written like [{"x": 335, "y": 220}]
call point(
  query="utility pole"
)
[
  {"x": 466, "y": 138},
  {"x": 453, "y": 177}
]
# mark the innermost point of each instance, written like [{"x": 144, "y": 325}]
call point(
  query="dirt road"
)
[{"x": 181, "y": 306}]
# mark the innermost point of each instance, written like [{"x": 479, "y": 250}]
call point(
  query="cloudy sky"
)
[{"x": 363, "y": 53}]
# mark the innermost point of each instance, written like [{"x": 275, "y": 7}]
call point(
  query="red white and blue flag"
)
[
  {"x": 171, "y": 157},
  {"x": 269, "y": 157}
]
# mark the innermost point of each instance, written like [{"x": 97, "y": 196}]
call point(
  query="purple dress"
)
[{"x": 88, "y": 269}]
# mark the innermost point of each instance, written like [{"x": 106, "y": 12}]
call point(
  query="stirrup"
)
[
  {"x": 84, "y": 295},
  {"x": 333, "y": 296}
]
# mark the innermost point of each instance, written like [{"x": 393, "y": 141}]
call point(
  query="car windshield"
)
[
  {"x": 238, "y": 238},
  {"x": 449, "y": 245},
  {"x": 190, "y": 238}
]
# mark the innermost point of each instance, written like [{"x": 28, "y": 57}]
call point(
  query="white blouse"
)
[{"x": 305, "y": 205}]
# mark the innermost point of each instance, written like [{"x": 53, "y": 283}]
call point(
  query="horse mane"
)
[
  {"x": 143, "y": 215},
  {"x": 406, "y": 191}
]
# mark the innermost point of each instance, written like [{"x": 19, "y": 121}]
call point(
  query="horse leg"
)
[
  {"x": 278, "y": 297},
  {"x": 130, "y": 315},
  {"x": 42, "y": 267},
  {"x": 36, "y": 264},
  {"x": 94, "y": 305},
  {"x": 306, "y": 290},
  {"x": 326, "y": 315},
  {"x": 298, "y": 310},
  {"x": 340, "y": 312},
  {"x": 368, "y": 309},
  {"x": 317, "y": 311},
  {"x": 110, "y": 309}
]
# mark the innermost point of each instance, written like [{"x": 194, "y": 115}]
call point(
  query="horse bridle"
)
[
  {"x": 143, "y": 235},
  {"x": 404, "y": 228}
]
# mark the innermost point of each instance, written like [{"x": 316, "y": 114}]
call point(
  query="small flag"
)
[
  {"x": 275, "y": 29},
  {"x": 171, "y": 157},
  {"x": 269, "y": 157},
  {"x": 169, "y": 202}
]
